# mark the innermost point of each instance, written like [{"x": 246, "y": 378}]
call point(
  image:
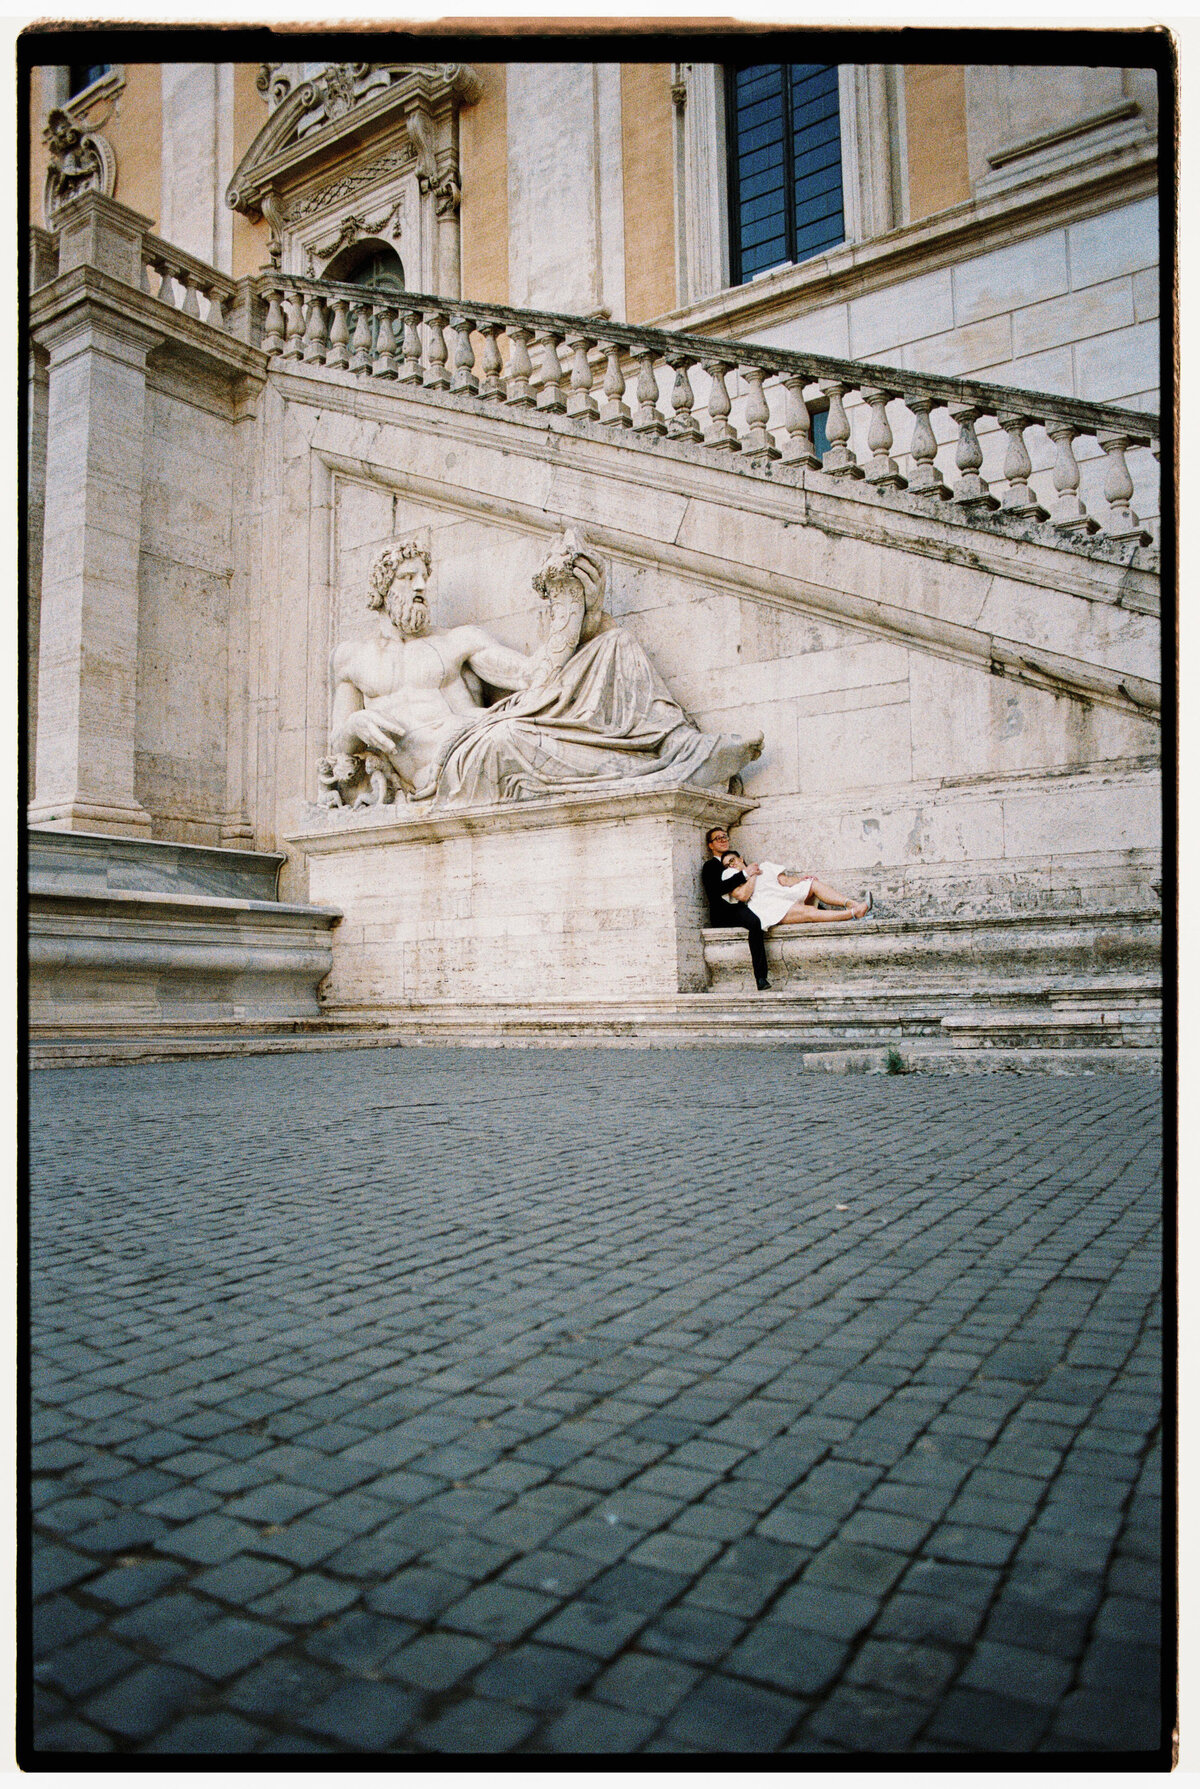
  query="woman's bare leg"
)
[
  {"x": 802, "y": 913},
  {"x": 821, "y": 891}
]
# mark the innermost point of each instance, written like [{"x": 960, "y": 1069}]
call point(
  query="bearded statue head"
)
[{"x": 399, "y": 574}]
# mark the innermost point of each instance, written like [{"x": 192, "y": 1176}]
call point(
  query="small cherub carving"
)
[
  {"x": 334, "y": 776},
  {"x": 383, "y": 782}
]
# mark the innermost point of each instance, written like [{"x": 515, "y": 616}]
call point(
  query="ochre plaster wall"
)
[
  {"x": 647, "y": 153},
  {"x": 250, "y": 250},
  {"x": 483, "y": 149},
  {"x": 936, "y": 128},
  {"x": 134, "y": 129}
]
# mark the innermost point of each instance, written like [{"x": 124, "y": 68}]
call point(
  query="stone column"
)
[{"x": 87, "y": 658}]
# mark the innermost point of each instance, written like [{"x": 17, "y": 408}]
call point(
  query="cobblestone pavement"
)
[{"x": 576, "y": 1401}]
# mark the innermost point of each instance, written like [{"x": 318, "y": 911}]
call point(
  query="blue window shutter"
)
[{"x": 785, "y": 164}]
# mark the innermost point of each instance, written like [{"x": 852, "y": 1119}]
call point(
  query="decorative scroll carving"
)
[
  {"x": 81, "y": 160},
  {"x": 391, "y": 162}
]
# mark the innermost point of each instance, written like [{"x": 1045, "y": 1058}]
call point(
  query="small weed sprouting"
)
[{"x": 895, "y": 1063}]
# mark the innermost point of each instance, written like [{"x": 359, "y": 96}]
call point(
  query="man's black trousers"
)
[{"x": 742, "y": 916}]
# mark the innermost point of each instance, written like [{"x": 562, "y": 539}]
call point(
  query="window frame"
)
[{"x": 791, "y": 228}]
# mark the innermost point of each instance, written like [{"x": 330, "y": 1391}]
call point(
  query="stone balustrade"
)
[
  {"x": 180, "y": 280},
  {"x": 985, "y": 452}
]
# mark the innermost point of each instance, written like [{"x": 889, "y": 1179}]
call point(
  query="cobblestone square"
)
[{"x": 581, "y": 1401}]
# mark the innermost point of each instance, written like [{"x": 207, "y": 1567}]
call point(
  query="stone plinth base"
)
[
  {"x": 126, "y": 935},
  {"x": 573, "y": 897}
]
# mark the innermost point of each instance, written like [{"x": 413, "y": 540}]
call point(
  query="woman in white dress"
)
[{"x": 781, "y": 899}]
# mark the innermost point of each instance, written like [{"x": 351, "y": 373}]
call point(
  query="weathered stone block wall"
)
[{"x": 184, "y": 576}]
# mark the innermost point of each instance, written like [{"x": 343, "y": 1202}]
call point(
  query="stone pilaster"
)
[{"x": 87, "y": 659}]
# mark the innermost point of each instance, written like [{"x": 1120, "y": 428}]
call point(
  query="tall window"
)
[
  {"x": 785, "y": 164},
  {"x": 82, "y": 74}
]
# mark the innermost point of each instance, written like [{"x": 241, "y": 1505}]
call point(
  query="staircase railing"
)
[{"x": 967, "y": 447}]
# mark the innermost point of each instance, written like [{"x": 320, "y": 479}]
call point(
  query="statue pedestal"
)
[{"x": 581, "y": 896}]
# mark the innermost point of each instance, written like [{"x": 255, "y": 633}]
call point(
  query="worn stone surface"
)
[{"x": 592, "y": 1401}]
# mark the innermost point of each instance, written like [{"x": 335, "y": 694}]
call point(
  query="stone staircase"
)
[
  {"x": 132, "y": 938},
  {"x": 1034, "y": 993}
]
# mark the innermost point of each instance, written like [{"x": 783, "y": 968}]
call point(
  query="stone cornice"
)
[
  {"x": 278, "y": 158},
  {"x": 86, "y": 288},
  {"x": 942, "y": 240},
  {"x": 354, "y": 832}
]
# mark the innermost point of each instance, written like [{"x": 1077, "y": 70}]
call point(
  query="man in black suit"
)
[{"x": 732, "y": 913}]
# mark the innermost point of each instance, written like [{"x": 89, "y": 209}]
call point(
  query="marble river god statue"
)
[{"x": 587, "y": 708}]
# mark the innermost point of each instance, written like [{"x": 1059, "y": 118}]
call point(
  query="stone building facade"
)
[{"x": 892, "y": 505}]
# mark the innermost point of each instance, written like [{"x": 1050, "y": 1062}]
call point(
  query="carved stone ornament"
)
[
  {"x": 350, "y": 106},
  {"x": 587, "y": 709},
  {"x": 81, "y": 160}
]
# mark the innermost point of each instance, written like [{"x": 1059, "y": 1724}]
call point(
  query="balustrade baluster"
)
[
  {"x": 970, "y": 491},
  {"x": 925, "y": 480},
  {"x": 338, "y": 352},
  {"x": 293, "y": 304},
  {"x": 551, "y": 396},
  {"x": 412, "y": 372},
  {"x": 191, "y": 297},
  {"x": 719, "y": 433},
  {"x": 144, "y": 277},
  {"x": 1124, "y": 523},
  {"x": 491, "y": 362},
  {"x": 215, "y": 302},
  {"x": 463, "y": 376},
  {"x": 520, "y": 368},
  {"x": 757, "y": 443},
  {"x": 798, "y": 448},
  {"x": 1019, "y": 497},
  {"x": 649, "y": 419},
  {"x": 615, "y": 410},
  {"x": 384, "y": 366},
  {"x": 436, "y": 375},
  {"x": 1069, "y": 515},
  {"x": 882, "y": 470},
  {"x": 683, "y": 425},
  {"x": 361, "y": 342},
  {"x": 580, "y": 402},
  {"x": 276, "y": 324},
  {"x": 840, "y": 459},
  {"x": 166, "y": 282},
  {"x": 314, "y": 333}
]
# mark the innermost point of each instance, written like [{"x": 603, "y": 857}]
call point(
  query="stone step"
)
[
  {"x": 127, "y": 935},
  {"x": 880, "y": 947},
  {"x": 1029, "y": 1038},
  {"x": 96, "y": 863}
]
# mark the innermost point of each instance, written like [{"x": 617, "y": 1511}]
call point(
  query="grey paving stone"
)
[
  {"x": 1112, "y": 1723},
  {"x": 241, "y": 1579},
  {"x": 166, "y": 1619},
  {"x": 645, "y": 1685},
  {"x": 359, "y": 1641},
  {"x": 363, "y": 1717},
  {"x": 209, "y": 1540},
  {"x": 54, "y": 1568},
  {"x": 597, "y": 1727},
  {"x": 226, "y": 1647},
  {"x": 688, "y": 1632},
  {"x": 142, "y": 1702},
  {"x": 590, "y": 1627},
  {"x": 274, "y": 1503},
  {"x": 281, "y": 1687},
  {"x": 534, "y": 1676},
  {"x": 437, "y": 1661},
  {"x": 85, "y": 1664},
  {"x": 916, "y": 1671},
  {"x": 498, "y": 1612},
  {"x": 57, "y": 1621},
  {"x": 928, "y": 1619},
  {"x": 1018, "y": 1673},
  {"x": 856, "y": 1718},
  {"x": 304, "y": 1599},
  {"x": 723, "y": 1715},
  {"x": 476, "y": 1725},
  {"x": 418, "y": 1595},
  {"x": 988, "y": 1723},
  {"x": 70, "y": 1735},
  {"x": 216, "y": 1732},
  {"x": 788, "y": 1658}
]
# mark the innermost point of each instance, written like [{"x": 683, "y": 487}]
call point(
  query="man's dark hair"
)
[{"x": 712, "y": 832}]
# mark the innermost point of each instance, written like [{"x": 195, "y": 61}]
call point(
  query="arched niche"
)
[{"x": 368, "y": 262}]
